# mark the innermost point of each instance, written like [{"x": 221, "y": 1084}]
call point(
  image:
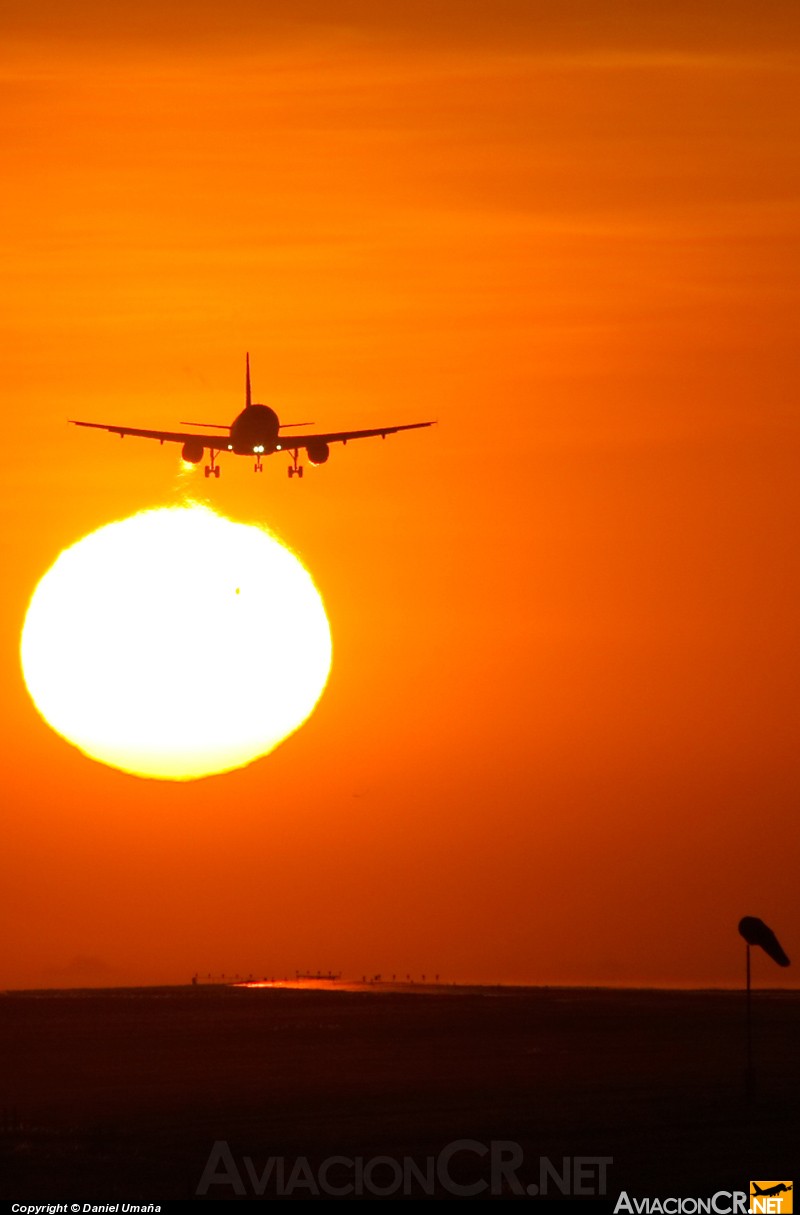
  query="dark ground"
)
[{"x": 121, "y": 1095}]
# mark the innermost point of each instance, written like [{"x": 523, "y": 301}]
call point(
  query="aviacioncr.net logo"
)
[{"x": 771, "y": 1197}]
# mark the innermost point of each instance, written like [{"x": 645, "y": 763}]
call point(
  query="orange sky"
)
[{"x": 560, "y": 741}]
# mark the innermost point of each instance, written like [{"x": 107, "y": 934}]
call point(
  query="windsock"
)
[{"x": 756, "y": 932}]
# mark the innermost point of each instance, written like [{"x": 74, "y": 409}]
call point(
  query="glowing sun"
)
[{"x": 176, "y": 644}]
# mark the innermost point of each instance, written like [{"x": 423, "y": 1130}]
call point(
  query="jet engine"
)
[
  {"x": 192, "y": 451},
  {"x": 318, "y": 452}
]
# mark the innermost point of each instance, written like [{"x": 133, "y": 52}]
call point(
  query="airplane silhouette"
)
[
  {"x": 779, "y": 1188},
  {"x": 256, "y": 431}
]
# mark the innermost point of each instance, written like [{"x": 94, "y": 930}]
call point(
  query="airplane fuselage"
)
[{"x": 254, "y": 431}]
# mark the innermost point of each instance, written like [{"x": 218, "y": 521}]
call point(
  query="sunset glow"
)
[
  {"x": 564, "y": 716},
  {"x": 176, "y": 644}
]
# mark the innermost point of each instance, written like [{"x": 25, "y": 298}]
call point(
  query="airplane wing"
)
[
  {"x": 218, "y": 442},
  {"x": 292, "y": 442}
]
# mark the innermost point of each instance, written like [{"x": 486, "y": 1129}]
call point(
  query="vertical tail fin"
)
[{"x": 247, "y": 400}]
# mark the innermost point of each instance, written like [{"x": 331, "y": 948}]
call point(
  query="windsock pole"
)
[
  {"x": 749, "y": 1077},
  {"x": 756, "y": 932}
]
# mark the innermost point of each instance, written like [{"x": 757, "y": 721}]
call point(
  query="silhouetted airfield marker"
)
[{"x": 756, "y": 932}]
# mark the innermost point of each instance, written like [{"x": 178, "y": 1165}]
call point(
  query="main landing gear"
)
[
  {"x": 294, "y": 467},
  {"x": 212, "y": 469}
]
